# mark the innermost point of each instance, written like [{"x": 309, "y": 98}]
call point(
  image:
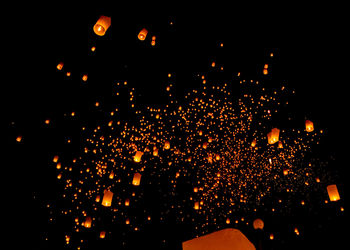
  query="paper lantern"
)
[
  {"x": 226, "y": 239},
  {"x": 107, "y": 198},
  {"x": 87, "y": 222},
  {"x": 60, "y": 66},
  {"x": 273, "y": 136},
  {"x": 309, "y": 126},
  {"x": 137, "y": 179},
  {"x": 127, "y": 202},
  {"x": 142, "y": 35},
  {"x": 196, "y": 205},
  {"x": 166, "y": 145},
  {"x": 155, "y": 151},
  {"x": 253, "y": 144},
  {"x": 258, "y": 224},
  {"x": 102, "y": 25},
  {"x": 333, "y": 192},
  {"x": 137, "y": 156},
  {"x": 102, "y": 234}
]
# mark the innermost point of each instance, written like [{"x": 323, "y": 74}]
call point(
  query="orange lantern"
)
[
  {"x": 258, "y": 224},
  {"x": 60, "y": 66},
  {"x": 55, "y": 158},
  {"x": 127, "y": 202},
  {"x": 102, "y": 234},
  {"x": 98, "y": 198},
  {"x": 280, "y": 144},
  {"x": 196, "y": 205},
  {"x": 137, "y": 156},
  {"x": 253, "y": 144},
  {"x": 137, "y": 179},
  {"x": 333, "y": 192},
  {"x": 102, "y": 25},
  {"x": 142, "y": 35},
  {"x": 309, "y": 126},
  {"x": 155, "y": 151},
  {"x": 166, "y": 145},
  {"x": 107, "y": 198},
  {"x": 87, "y": 222},
  {"x": 273, "y": 136}
]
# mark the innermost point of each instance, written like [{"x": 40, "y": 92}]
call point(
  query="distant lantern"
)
[
  {"x": 273, "y": 136},
  {"x": 102, "y": 234},
  {"x": 265, "y": 70},
  {"x": 60, "y": 66},
  {"x": 137, "y": 156},
  {"x": 98, "y": 198},
  {"x": 137, "y": 179},
  {"x": 280, "y": 144},
  {"x": 84, "y": 78},
  {"x": 142, "y": 35},
  {"x": 258, "y": 224},
  {"x": 228, "y": 221},
  {"x": 153, "y": 42},
  {"x": 102, "y": 25},
  {"x": 87, "y": 222},
  {"x": 107, "y": 198},
  {"x": 196, "y": 205},
  {"x": 127, "y": 202},
  {"x": 19, "y": 138},
  {"x": 253, "y": 144},
  {"x": 155, "y": 151},
  {"x": 333, "y": 192},
  {"x": 166, "y": 145},
  {"x": 309, "y": 126}
]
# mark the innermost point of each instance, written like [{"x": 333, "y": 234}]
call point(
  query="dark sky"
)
[{"x": 308, "y": 43}]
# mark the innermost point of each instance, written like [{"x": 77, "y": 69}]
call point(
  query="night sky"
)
[{"x": 308, "y": 49}]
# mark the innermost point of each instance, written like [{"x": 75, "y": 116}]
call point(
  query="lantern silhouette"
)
[
  {"x": 137, "y": 179},
  {"x": 102, "y": 25},
  {"x": 309, "y": 126},
  {"x": 333, "y": 192},
  {"x": 258, "y": 224},
  {"x": 107, "y": 198},
  {"x": 137, "y": 156},
  {"x": 273, "y": 136},
  {"x": 142, "y": 35}
]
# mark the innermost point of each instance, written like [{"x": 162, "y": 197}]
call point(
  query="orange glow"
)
[
  {"x": 137, "y": 156},
  {"x": 309, "y": 126},
  {"x": 102, "y": 25},
  {"x": 107, "y": 198},
  {"x": 333, "y": 192},
  {"x": 137, "y": 179},
  {"x": 273, "y": 136},
  {"x": 142, "y": 35}
]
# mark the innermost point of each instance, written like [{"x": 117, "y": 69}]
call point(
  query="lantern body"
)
[
  {"x": 102, "y": 234},
  {"x": 137, "y": 156},
  {"x": 142, "y": 35},
  {"x": 102, "y": 25},
  {"x": 87, "y": 222},
  {"x": 196, "y": 205},
  {"x": 137, "y": 179},
  {"x": 273, "y": 136},
  {"x": 107, "y": 198},
  {"x": 166, "y": 145},
  {"x": 226, "y": 239},
  {"x": 333, "y": 192},
  {"x": 258, "y": 224},
  {"x": 309, "y": 126}
]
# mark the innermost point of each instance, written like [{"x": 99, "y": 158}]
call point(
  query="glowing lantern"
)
[
  {"x": 309, "y": 126},
  {"x": 84, "y": 78},
  {"x": 265, "y": 71},
  {"x": 258, "y": 224},
  {"x": 280, "y": 144},
  {"x": 142, "y": 35},
  {"x": 220, "y": 240},
  {"x": 102, "y": 234},
  {"x": 273, "y": 136},
  {"x": 19, "y": 138},
  {"x": 55, "y": 158},
  {"x": 155, "y": 151},
  {"x": 111, "y": 175},
  {"x": 98, "y": 198},
  {"x": 137, "y": 179},
  {"x": 196, "y": 205},
  {"x": 107, "y": 198},
  {"x": 272, "y": 237},
  {"x": 153, "y": 42},
  {"x": 87, "y": 222},
  {"x": 102, "y": 25},
  {"x": 228, "y": 221},
  {"x": 253, "y": 144},
  {"x": 137, "y": 156},
  {"x": 166, "y": 145},
  {"x": 333, "y": 192},
  {"x": 60, "y": 66},
  {"x": 127, "y": 202}
]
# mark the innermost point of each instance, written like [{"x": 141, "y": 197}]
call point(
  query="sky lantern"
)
[
  {"x": 273, "y": 136},
  {"x": 253, "y": 144},
  {"x": 127, "y": 202},
  {"x": 309, "y": 126},
  {"x": 102, "y": 234},
  {"x": 265, "y": 70},
  {"x": 333, "y": 192},
  {"x": 60, "y": 66},
  {"x": 137, "y": 179},
  {"x": 155, "y": 151},
  {"x": 142, "y": 35},
  {"x": 196, "y": 205},
  {"x": 258, "y": 224},
  {"x": 166, "y": 145},
  {"x": 107, "y": 198},
  {"x": 102, "y": 25},
  {"x": 137, "y": 156},
  {"x": 87, "y": 223},
  {"x": 225, "y": 239}
]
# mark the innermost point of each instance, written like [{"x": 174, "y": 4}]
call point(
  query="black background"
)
[{"x": 309, "y": 47}]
